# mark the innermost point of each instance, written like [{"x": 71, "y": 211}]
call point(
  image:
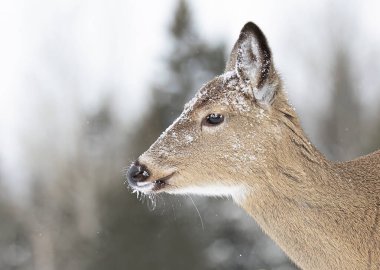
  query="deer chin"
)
[{"x": 237, "y": 193}]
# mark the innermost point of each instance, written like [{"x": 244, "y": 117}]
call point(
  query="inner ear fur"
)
[
  {"x": 251, "y": 58},
  {"x": 254, "y": 56}
]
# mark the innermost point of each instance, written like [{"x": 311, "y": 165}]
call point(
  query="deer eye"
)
[{"x": 214, "y": 119}]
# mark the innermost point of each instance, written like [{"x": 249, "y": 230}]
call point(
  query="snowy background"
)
[{"x": 86, "y": 86}]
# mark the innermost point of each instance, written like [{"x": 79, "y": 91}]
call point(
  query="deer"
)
[{"x": 239, "y": 137}]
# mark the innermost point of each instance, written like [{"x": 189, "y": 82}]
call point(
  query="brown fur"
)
[{"x": 325, "y": 215}]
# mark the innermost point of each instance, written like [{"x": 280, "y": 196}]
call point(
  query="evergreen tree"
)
[
  {"x": 15, "y": 248},
  {"x": 190, "y": 63},
  {"x": 341, "y": 124},
  {"x": 373, "y": 142},
  {"x": 134, "y": 237}
]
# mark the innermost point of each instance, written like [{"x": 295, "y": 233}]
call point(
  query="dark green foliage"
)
[
  {"x": 15, "y": 246},
  {"x": 133, "y": 237},
  {"x": 190, "y": 63},
  {"x": 341, "y": 125}
]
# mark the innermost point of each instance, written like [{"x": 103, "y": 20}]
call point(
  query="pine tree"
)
[
  {"x": 373, "y": 142},
  {"x": 134, "y": 237},
  {"x": 341, "y": 123},
  {"x": 190, "y": 63},
  {"x": 15, "y": 246}
]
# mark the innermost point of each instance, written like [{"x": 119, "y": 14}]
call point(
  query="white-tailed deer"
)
[{"x": 239, "y": 137}]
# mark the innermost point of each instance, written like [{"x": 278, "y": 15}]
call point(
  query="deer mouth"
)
[
  {"x": 153, "y": 186},
  {"x": 162, "y": 182}
]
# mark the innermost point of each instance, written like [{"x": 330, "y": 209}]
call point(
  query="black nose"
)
[{"x": 137, "y": 173}]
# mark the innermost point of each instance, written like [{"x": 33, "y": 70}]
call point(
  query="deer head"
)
[
  {"x": 239, "y": 137},
  {"x": 230, "y": 137}
]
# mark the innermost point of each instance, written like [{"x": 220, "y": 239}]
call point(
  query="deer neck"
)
[{"x": 310, "y": 209}]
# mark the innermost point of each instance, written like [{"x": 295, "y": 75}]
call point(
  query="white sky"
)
[{"x": 96, "y": 43}]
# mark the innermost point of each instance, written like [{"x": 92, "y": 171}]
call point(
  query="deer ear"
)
[{"x": 251, "y": 59}]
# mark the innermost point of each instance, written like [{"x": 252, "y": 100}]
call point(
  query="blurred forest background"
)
[{"x": 77, "y": 213}]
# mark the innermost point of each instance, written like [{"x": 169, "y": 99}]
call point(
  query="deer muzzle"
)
[{"x": 139, "y": 178}]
